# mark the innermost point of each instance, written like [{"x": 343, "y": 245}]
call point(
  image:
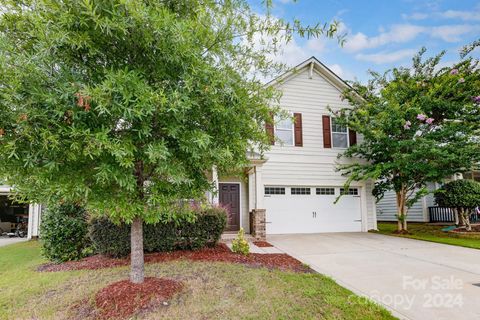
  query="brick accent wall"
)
[{"x": 258, "y": 224}]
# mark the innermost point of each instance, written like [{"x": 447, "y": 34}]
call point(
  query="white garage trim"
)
[{"x": 363, "y": 208}]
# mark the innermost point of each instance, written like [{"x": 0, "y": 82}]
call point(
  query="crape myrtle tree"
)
[
  {"x": 124, "y": 106},
  {"x": 419, "y": 125}
]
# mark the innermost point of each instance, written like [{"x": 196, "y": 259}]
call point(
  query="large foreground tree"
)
[
  {"x": 125, "y": 105},
  {"x": 419, "y": 125}
]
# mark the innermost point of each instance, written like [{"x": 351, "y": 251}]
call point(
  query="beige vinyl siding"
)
[
  {"x": 387, "y": 209},
  {"x": 311, "y": 164}
]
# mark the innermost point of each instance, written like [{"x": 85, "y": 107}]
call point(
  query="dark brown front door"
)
[{"x": 230, "y": 199}]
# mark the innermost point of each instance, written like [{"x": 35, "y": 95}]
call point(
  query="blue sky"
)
[{"x": 381, "y": 34}]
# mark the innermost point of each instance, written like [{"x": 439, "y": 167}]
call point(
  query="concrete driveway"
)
[
  {"x": 6, "y": 241},
  {"x": 415, "y": 279}
]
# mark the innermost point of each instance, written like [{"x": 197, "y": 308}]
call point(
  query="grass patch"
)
[
  {"x": 212, "y": 291},
  {"x": 433, "y": 233}
]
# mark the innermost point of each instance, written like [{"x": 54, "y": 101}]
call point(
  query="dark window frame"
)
[
  {"x": 301, "y": 191},
  {"x": 274, "y": 191},
  {"x": 349, "y": 192},
  {"x": 325, "y": 191}
]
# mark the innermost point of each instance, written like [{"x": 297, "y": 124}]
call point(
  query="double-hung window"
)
[
  {"x": 339, "y": 135},
  {"x": 284, "y": 130}
]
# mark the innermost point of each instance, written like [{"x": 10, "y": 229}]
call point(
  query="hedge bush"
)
[
  {"x": 459, "y": 194},
  {"x": 464, "y": 195},
  {"x": 114, "y": 240},
  {"x": 64, "y": 231}
]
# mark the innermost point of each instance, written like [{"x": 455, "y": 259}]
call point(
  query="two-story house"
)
[{"x": 293, "y": 188}]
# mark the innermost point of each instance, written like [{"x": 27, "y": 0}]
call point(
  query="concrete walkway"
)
[
  {"x": 414, "y": 279},
  {"x": 6, "y": 241}
]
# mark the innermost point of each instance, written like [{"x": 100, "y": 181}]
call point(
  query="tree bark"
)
[
  {"x": 401, "y": 208},
  {"x": 466, "y": 218},
  {"x": 137, "y": 269},
  {"x": 461, "y": 218}
]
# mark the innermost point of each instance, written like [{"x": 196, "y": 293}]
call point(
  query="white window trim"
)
[
  {"x": 277, "y": 143},
  {"x": 331, "y": 135}
]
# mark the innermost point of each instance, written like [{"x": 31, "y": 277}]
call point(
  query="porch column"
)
[
  {"x": 214, "y": 194},
  {"x": 34, "y": 212},
  {"x": 258, "y": 188},
  {"x": 257, "y": 215}
]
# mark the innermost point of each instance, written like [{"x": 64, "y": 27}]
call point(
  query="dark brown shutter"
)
[
  {"x": 270, "y": 130},
  {"x": 298, "y": 129},
  {"x": 352, "y": 137},
  {"x": 327, "y": 138}
]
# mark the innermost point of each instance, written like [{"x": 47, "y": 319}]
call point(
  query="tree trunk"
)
[
  {"x": 401, "y": 210},
  {"x": 137, "y": 270},
  {"x": 461, "y": 218},
  {"x": 465, "y": 213}
]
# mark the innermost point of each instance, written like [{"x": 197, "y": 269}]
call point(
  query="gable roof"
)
[{"x": 314, "y": 64}]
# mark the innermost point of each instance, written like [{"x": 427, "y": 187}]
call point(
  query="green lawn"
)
[
  {"x": 212, "y": 291},
  {"x": 434, "y": 233}
]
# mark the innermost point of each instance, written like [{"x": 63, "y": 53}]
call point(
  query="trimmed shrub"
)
[
  {"x": 108, "y": 238},
  {"x": 240, "y": 244},
  {"x": 463, "y": 195},
  {"x": 114, "y": 240},
  {"x": 64, "y": 231},
  {"x": 459, "y": 194}
]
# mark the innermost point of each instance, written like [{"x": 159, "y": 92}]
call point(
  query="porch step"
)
[
  {"x": 228, "y": 237},
  {"x": 233, "y": 235}
]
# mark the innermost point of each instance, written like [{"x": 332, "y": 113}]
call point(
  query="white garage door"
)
[{"x": 311, "y": 210}]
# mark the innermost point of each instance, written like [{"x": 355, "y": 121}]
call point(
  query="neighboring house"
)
[
  {"x": 292, "y": 189},
  {"x": 387, "y": 207},
  {"x": 424, "y": 210},
  {"x": 12, "y": 213}
]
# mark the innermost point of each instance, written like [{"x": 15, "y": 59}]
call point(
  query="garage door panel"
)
[{"x": 313, "y": 213}]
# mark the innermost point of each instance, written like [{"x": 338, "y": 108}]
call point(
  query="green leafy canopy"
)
[
  {"x": 459, "y": 194},
  {"x": 127, "y": 104},
  {"x": 419, "y": 124}
]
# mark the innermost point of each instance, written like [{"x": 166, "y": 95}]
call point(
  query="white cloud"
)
[
  {"x": 397, "y": 34},
  {"x": 341, "y": 72},
  {"x": 452, "y": 33},
  {"x": 292, "y": 54},
  {"x": 317, "y": 44},
  {"x": 471, "y": 15},
  {"x": 415, "y": 16},
  {"x": 337, "y": 69},
  {"x": 462, "y": 15},
  {"x": 387, "y": 57},
  {"x": 404, "y": 33}
]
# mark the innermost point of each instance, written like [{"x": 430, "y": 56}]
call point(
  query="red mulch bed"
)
[
  {"x": 219, "y": 253},
  {"x": 262, "y": 244},
  {"x": 123, "y": 299}
]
